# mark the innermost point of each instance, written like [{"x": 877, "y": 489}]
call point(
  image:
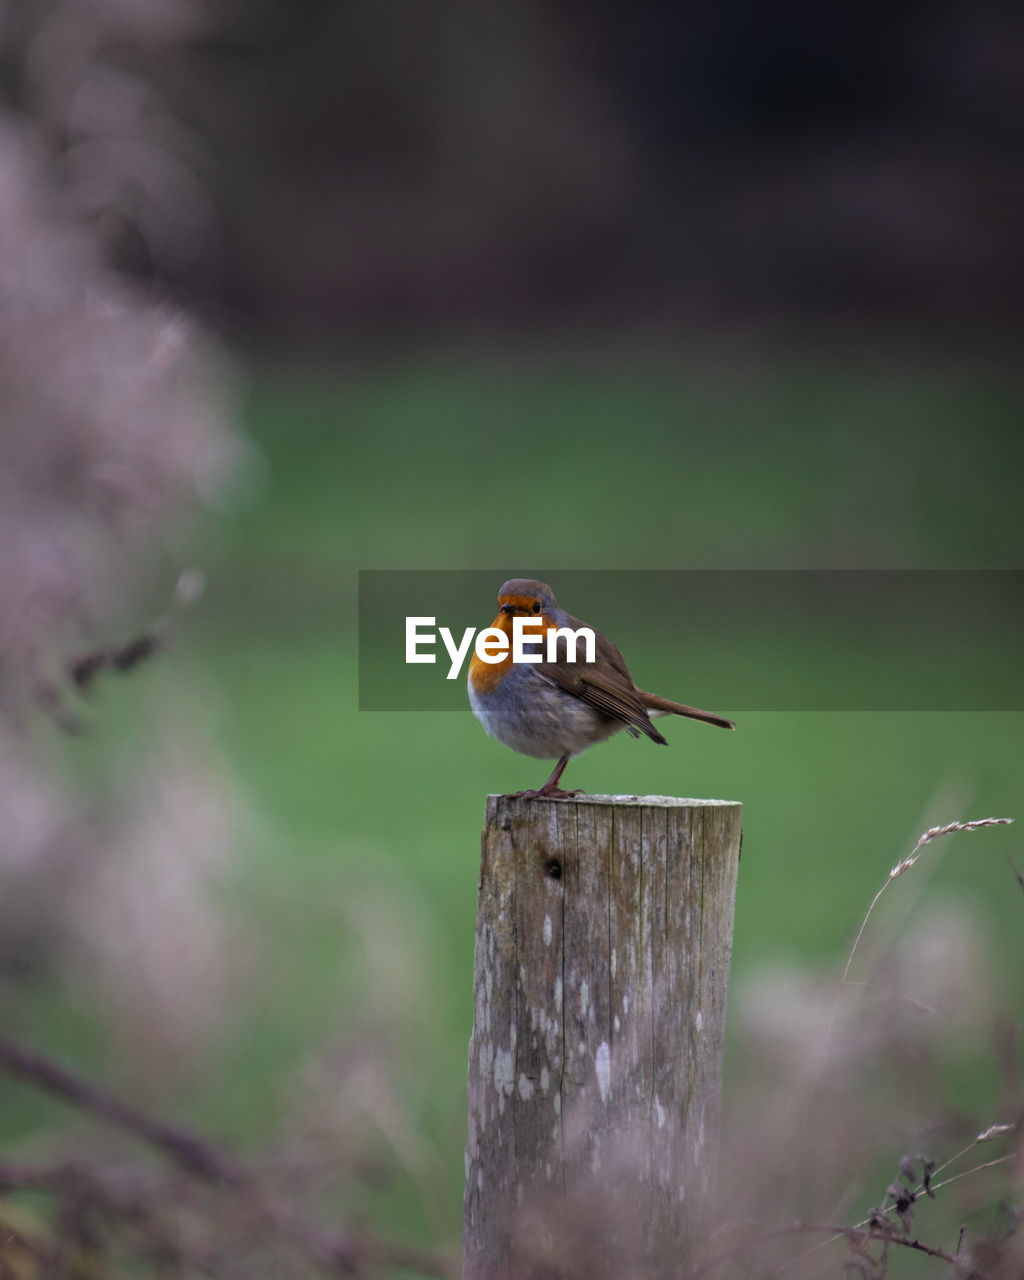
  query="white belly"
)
[{"x": 531, "y": 714}]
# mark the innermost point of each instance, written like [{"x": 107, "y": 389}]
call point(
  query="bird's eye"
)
[{"x": 536, "y": 606}]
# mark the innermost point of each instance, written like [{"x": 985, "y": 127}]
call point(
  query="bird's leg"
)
[
  {"x": 551, "y": 786},
  {"x": 551, "y": 790}
]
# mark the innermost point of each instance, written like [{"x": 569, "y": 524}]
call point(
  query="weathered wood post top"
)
[{"x": 603, "y": 942}]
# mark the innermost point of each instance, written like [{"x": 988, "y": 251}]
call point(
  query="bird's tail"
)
[{"x": 653, "y": 703}]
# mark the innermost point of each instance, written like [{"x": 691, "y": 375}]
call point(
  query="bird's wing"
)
[{"x": 604, "y": 684}]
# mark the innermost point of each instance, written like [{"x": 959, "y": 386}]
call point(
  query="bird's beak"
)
[{"x": 508, "y": 608}]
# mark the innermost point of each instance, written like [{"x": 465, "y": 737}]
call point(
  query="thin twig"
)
[
  {"x": 898, "y": 870},
  {"x": 989, "y": 1164},
  {"x": 836, "y": 1232},
  {"x": 992, "y": 1132}
]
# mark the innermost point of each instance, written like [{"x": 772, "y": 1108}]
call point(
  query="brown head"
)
[
  {"x": 519, "y": 597},
  {"x": 526, "y": 595}
]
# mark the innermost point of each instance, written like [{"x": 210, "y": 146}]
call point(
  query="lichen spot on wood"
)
[
  {"x": 503, "y": 1079},
  {"x": 603, "y": 1068}
]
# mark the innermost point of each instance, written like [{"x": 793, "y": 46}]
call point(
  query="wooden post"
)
[{"x": 603, "y": 941}]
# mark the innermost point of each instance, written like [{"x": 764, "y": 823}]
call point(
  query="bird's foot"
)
[{"x": 546, "y": 793}]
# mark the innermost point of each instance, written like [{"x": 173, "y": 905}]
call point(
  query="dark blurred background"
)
[{"x": 366, "y": 170}]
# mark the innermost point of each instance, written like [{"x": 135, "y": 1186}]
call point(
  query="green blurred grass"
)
[{"x": 588, "y": 460}]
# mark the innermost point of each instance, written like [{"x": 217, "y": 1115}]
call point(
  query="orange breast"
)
[{"x": 486, "y": 676}]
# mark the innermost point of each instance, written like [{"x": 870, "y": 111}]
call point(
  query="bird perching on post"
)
[
  {"x": 553, "y": 709},
  {"x": 603, "y": 943}
]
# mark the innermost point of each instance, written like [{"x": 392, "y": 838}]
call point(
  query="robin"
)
[{"x": 556, "y": 709}]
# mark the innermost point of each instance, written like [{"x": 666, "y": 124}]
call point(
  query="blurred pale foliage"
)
[
  {"x": 114, "y": 433},
  {"x": 827, "y": 1080},
  {"x": 147, "y": 931},
  {"x": 126, "y": 161},
  {"x": 115, "y": 436}
]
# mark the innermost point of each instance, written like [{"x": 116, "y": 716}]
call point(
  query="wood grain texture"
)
[{"x": 604, "y": 935}]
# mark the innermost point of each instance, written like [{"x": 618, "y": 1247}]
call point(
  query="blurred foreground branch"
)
[
  {"x": 149, "y": 1202},
  {"x": 192, "y": 1153}
]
